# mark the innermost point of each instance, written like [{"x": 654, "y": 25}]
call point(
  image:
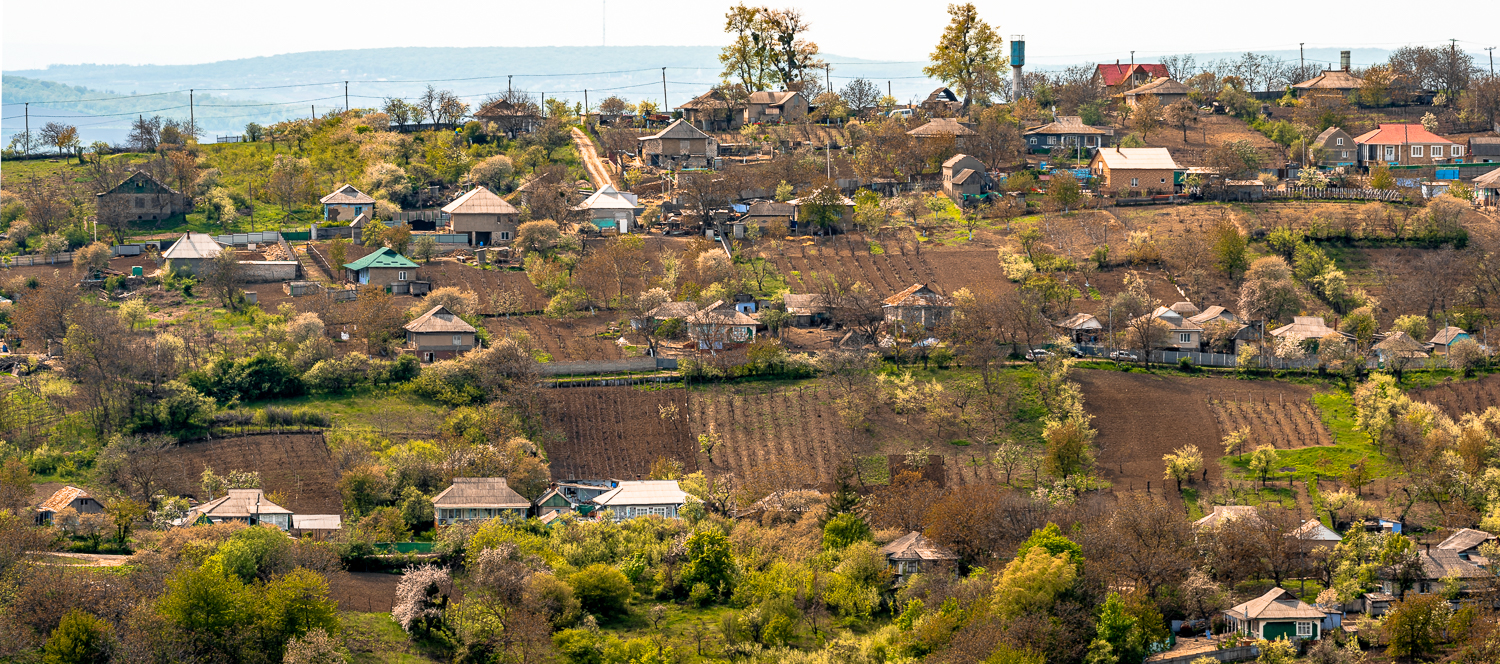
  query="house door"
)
[
  {"x": 1390, "y": 153},
  {"x": 482, "y": 238},
  {"x": 429, "y": 357}
]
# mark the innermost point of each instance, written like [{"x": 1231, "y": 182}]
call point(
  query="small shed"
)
[
  {"x": 474, "y": 498},
  {"x": 807, "y": 309},
  {"x": 318, "y": 527},
  {"x": 1484, "y": 149},
  {"x": 1487, "y": 188}
]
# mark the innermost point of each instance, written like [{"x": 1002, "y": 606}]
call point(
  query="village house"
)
[
  {"x": 1439, "y": 567},
  {"x": 721, "y": 326},
  {"x": 1336, "y": 81},
  {"x": 1484, "y": 150},
  {"x": 191, "y": 253},
  {"x": 1445, "y": 338},
  {"x": 918, "y": 305},
  {"x": 509, "y": 119},
  {"x": 1312, "y": 533},
  {"x": 67, "y": 497},
  {"x": 1080, "y": 328},
  {"x": 486, "y": 218},
  {"x": 942, "y": 102},
  {"x": 669, "y": 310},
  {"x": 768, "y": 107},
  {"x": 475, "y": 498},
  {"x": 439, "y": 334},
  {"x": 1304, "y": 329},
  {"x": 1068, "y": 131},
  {"x": 346, "y": 204},
  {"x": 836, "y": 204},
  {"x": 1167, "y": 91},
  {"x": 242, "y": 505},
  {"x": 1395, "y": 144},
  {"x": 610, "y": 209},
  {"x": 1184, "y": 334},
  {"x": 1226, "y": 514},
  {"x": 712, "y": 111},
  {"x": 1487, "y": 189},
  {"x": 382, "y": 267},
  {"x": 566, "y": 497},
  {"x": 1136, "y": 170},
  {"x": 1275, "y": 615},
  {"x": 807, "y": 310},
  {"x": 630, "y": 499},
  {"x": 679, "y": 146},
  {"x": 140, "y": 197},
  {"x": 1337, "y": 148},
  {"x": 766, "y": 212},
  {"x": 1117, "y": 78},
  {"x": 913, "y": 553},
  {"x": 1466, "y": 542},
  {"x": 965, "y": 178},
  {"x": 1398, "y": 347},
  {"x": 943, "y": 129}
]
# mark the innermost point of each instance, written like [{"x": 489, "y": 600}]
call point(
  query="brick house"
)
[
  {"x": 439, "y": 334},
  {"x": 769, "y": 107},
  {"x": 918, "y": 305},
  {"x": 1118, "y": 78},
  {"x": 1405, "y": 144},
  {"x": 346, "y": 203},
  {"x": 487, "y": 219},
  {"x": 1138, "y": 170},
  {"x": 140, "y": 198},
  {"x": 680, "y": 145}
]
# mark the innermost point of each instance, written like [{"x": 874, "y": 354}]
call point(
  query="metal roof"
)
[
  {"x": 240, "y": 503},
  {"x": 642, "y": 492},
  {"x": 479, "y": 492},
  {"x": 916, "y": 546},
  {"x": 1277, "y": 604},
  {"x": 480, "y": 201},
  {"x": 62, "y": 498},
  {"x": 1138, "y": 158},
  {"x": 347, "y": 195},
  {"x": 439, "y": 319},
  {"x": 194, "y": 245},
  {"x": 1465, "y": 539},
  {"x": 382, "y": 257},
  {"x": 609, "y": 198},
  {"x": 317, "y": 521}
]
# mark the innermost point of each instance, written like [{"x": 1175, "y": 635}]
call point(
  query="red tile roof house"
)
[
  {"x": 1404, "y": 144},
  {"x": 68, "y": 496},
  {"x": 1118, "y": 78}
]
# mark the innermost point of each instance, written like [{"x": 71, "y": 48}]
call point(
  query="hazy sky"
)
[{"x": 42, "y": 32}]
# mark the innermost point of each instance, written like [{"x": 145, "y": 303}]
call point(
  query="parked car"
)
[
  {"x": 1037, "y": 355},
  {"x": 1124, "y": 356},
  {"x": 900, "y": 113},
  {"x": 1075, "y": 352}
]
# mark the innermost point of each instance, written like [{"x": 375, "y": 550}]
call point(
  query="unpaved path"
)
[
  {"x": 89, "y": 559},
  {"x": 598, "y": 172}
]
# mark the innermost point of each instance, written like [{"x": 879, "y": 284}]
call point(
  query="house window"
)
[
  {"x": 685, "y": 147},
  {"x": 1032, "y": 140},
  {"x": 1458, "y": 150},
  {"x": 505, "y": 235},
  {"x": 1437, "y": 151},
  {"x": 1184, "y": 337},
  {"x": 401, "y": 276},
  {"x": 458, "y": 340},
  {"x": 1304, "y": 629},
  {"x": 1339, "y": 141},
  {"x": 1135, "y": 182},
  {"x": 1416, "y": 150}
]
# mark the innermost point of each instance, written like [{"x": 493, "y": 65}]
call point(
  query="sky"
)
[{"x": 192, "y": 31}]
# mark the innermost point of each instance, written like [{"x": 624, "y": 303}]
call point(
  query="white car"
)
[
  {"x": 1037, "y": 355},
  {"x": 1124, "y": 356}
]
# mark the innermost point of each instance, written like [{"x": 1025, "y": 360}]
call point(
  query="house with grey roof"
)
[
  {"x": 1067, "y": 131},
  {"x": 1081, "y": 328},
  {"x": 486, "y": 218},
  {"x": 1338, "y": 148},
  {"x": 610, "y": 209},
  {"x": 919, "y": 305},
  {"x": 1466, "y": 542},
  {"x": 770, "y": 107},
  {"x": 476, "y": 498},
  {"x": 721, "y": 326},
  {"x": 140, "y": 197},
  {"x": 1277, "y": 614},
  {"x": 807, "y": 309},
  {"x": 244, "y": 506},
  {"x": 943, "y": 129},
  {"x": 439, "y": 334},
  {"x": 346, "y": 203},
  {"x": 191, "y": 253},
  {"x": 913, "y": 553},
  {"x": 630, "y": 499},
  {"x": 1445, "y": 338},
  {"x": 1167, "y": 91},
  {"x": 678, "y": 146},
  {"x": 965, "y": 178}
]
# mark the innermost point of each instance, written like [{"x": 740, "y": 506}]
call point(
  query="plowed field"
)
[
  {"x": 1465, "y": 397},
  {"x": 296, "y": 464},
  {"x": 617, "y": 432},
  {"x": 796, "y": 427}
]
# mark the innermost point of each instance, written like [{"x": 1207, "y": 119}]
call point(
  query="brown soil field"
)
[
  {"x": 565, "y": 339},
  {"x": 372, "y": 592},
  {"x": 1276, "y": 422},
  {"x": 1458, "y": 398},
  {"x": 618, "y": 432},
  {"x": 1141, "y": 417},
  {"x": 297, "y": 464},
  {"x": 793, "y": 426}
]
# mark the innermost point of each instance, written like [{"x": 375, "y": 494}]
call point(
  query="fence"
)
[
  {"x": 1237, "y": 654},
  {"x": 591, "y": 367},
  {"x": 1223, "y": 360},
  {"x": 451, "y": 238},
  {"x": 229, "y": 139},
  {"x": 262, "y": 237},
  {"x": 27, "y": 261},
  {"x": 420, "y": 215},
  {"x": 1336, "y": 193}
]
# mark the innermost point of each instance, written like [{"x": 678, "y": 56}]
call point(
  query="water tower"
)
[{"x": 1017, "y": 60}]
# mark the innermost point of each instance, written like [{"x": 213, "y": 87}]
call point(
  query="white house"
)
[
  {"x": 631, "y": 499},
  {"x": 247, "y": 505},
  {"x": 474, "y": 498},
  {"x": 611, "y": 209}
]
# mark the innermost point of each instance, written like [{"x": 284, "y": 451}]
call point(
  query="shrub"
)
[
  {"x": 601, "y": 589},
  {"x": 260, "y": 376},
  {"x": 80, "y": 638}
]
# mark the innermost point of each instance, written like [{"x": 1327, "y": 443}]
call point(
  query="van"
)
[{"x": 903, "y": 113}]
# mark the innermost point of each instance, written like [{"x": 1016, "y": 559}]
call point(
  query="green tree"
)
[
  {"x": 15, "y": 486},
  {"x": 1181, "y": 463},
  {"x": 296, "y": 603},
  {"x": 205, "y": 603},
  {"x": 1050, "y": 538},
  {"x": 1264, "y": 461},
  {"x": 969, "y": 56},
  {"x": 710, "y": 561},
  {"x": 601, "y": 589},
  {"x": 1414, "y": 625},
  {"x": 845, "y": 529},
  {"x": 1381, "y": 178},
  {"x": 1229, "y": 250},
  {"x": 1064, "y": 191},
  {"x": 1031, "y": 585},
  {"x": 80, "y": 638}
]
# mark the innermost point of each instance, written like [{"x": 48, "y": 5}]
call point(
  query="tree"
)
[
  {"x": 1182, "y": 463},
  {"x": 1030, "y": 585},
  {"x": 791, "y": 55},
  {"x": 538, "y": 236},
  {"x": 1064, "y": 191},
  {"x": 1236, "y": 441},
  {"x": 424, "y": 248},
  {"x": 224, "y": 277},
  {"x": 1414, "y": 625},
  {"x": 291, "y": 182},
  {"x": 709, "y": 562},
  {"x": 15, "y": 486},
  {"x": 1268, "y": 292},
  {"x": 1381, "y": 178},
  {"x": 845, "y": 529},
  {"x": 968, "y": 57},
  {"x": 62, "y": 136},
  {"x": 860, "y": 94},
  {"x": 602, "y": 589},
  {"x": 1181, "y": 114},
  {"x": 80, "y": 638},
  {"x": 1264, "y": 461},
  {"x": 1146, "y": 116},
  {"x": 92, "y": 258},
  {"x": 145, "y": 134},
  {"x": 1229, "y": 249}
]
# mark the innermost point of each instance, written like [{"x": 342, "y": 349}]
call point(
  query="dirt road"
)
[
  {"x": 598, "y": 172},
  {"x": 89, "y": 559}
]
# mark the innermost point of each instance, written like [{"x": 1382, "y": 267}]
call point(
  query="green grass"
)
[
  {"x": 380, "y": 639},
  {"x": 1325, "y": 462},
  {"x": 353, "y": 409}
]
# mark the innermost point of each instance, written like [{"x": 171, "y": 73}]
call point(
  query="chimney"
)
[{"x": 1344, "y": 60}]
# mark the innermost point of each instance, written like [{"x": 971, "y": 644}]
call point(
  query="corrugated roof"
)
[
  {"x": 317, "y": 521},
  {"x": 1490, "y": 180},
  {"x": 347, "y": 195},
  {"x": 674, "y": 310},
  {"x": 1399, "y": 134},
  {"x": 1276, "y": 604},
  {"x": 194, "y": 245},
  {"x": 382, "y": 257},
  {"x": 1465, "y": 539},
  {"x": 770, "y": 97},
  {"x": 479, "y": 492},
  {"x": 942, "y": 127},
  {"x": 609, "y": 198},
  {"x": 963, "y": 176},
  {"x": 1079, "y": 322},
  {"x": 480, "y": 201},
  {"x": 239, "y": 504},
  {"x": 719, "y": 313},
  {"x": 1314, "y": 530},
  {"x": 916, "y": 546},
  {"x": 1160, "y": 86},
  {"x": 62, "y": 498},
  {"x": 917, "y": 295},
  {"x": 1138, "y": 158},
  {"x": 439, "y": 319},
  {"x": 1304, "y": 327},
  {"x": 1332, "y": 79},
  {"x": 642, "y": 492},
  {"x": 679, "y": 129},
  {"x": 1211, "y": 313},
  {"x": 1446, "y": 335}
]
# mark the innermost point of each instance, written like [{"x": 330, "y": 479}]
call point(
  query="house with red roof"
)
[
  {"x": 1118, "y": 78},
  {"x": 1405, "y": 144}
]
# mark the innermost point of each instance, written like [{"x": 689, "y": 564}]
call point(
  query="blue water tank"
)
[{"x": 1017, "y": 52}]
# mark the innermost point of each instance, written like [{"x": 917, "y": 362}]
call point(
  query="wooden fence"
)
[
  {"x": 1336, "y": 193},
  {"x": 27, "y": 261}
]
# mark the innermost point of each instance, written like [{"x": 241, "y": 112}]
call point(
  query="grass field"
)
[{"x": 383, "y": 410}]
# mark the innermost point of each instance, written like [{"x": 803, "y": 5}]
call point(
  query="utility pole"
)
[
  {"x": 346, "y": 95},
  {"x": 507, "y": 82},
  {"x": 1491, "y": 49},
  {"x": 314, "y": 111},
  {"x": 1132, "y": 58},
  {"x": 585, "y": 109},
  {"x": 1301, "y": 58},
  {"x": 828, "y": 77},
  {"x": 192, "y": 118},
  {"x": 28, "y": 127},
  {"x": 665, "y": 107}
]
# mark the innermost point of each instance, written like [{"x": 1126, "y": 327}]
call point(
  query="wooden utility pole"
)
[
  {"x": 192, "y": 118},
  {"x": 664, "y": 105},
  {"x": 28, "y": 127},
  {"x": 346, "y": 95}
]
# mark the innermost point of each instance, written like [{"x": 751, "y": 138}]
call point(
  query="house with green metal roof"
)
[{"x": 382, "y": 267}]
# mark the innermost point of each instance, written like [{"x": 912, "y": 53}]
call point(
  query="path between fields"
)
[
  {"x": 598, "y": 172},
  {"x": 89, "y": 559}
]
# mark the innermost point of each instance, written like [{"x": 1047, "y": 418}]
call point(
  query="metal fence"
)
[
  {"x": 263, "y": 237},
  {"x": 420, "y": 215},
  {"x": 27, "y": 261},
  {"x": 1338, "y": 193},
  {"x": 228, "y": 139},
  {"x": 451, "y": 238}
]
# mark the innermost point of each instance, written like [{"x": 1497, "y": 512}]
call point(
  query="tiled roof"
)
[
  {"x": 713, "y": 99},
  {"x": 917, "y": 295},
  {"x": 1399, "y": 134},
  {"x": 479, "y": 492},
  {"x": 480, "y": 201},
  {"x": 643, "y": 492},
  {"x": 915, "y": 546},
  {"x": 1223, "y": 514},
  {"x": 347, "y": 195},
  {"x": 1332, "y": 79},
  {"x": 240, "y": 503},
  {"x": 194, "y": 245},
  {"x": 674, "y": 310},
  {"x": 1115, "y": 73},
  {"x": 382, "y": 257},
  {"x": 62, "y": 498},
  {"x": 502, "y": 108},
  {"x": 1276, "y": 604},
  {"x": 439, "y": 319},
  {"x": 1138, "y": 158}
]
